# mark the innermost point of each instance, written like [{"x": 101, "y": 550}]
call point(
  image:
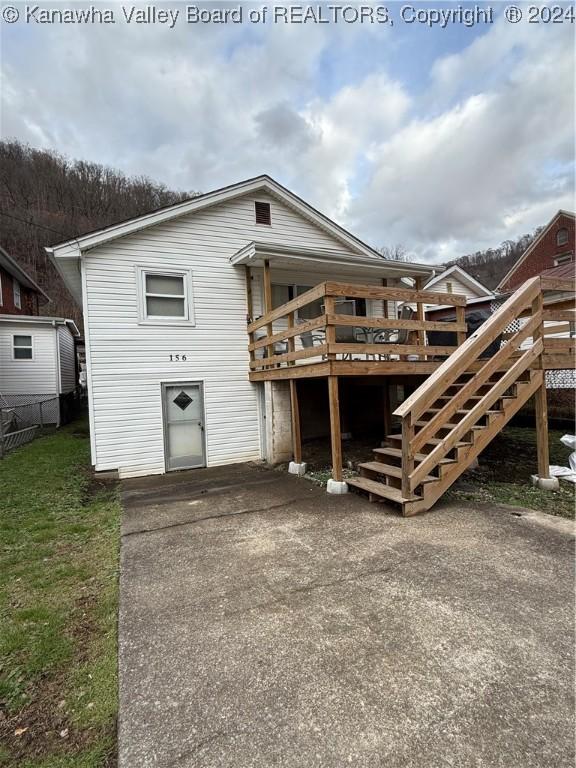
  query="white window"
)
[
  {"x": 22, "y": 347},
  {"x": 166, "y": 297},
  {"x": 17, "y": 297}
]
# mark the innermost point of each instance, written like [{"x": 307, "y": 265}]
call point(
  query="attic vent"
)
[{"x": 262, "y": 213}]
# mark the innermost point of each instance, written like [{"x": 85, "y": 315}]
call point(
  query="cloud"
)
[{"x": 483, "y": 153}]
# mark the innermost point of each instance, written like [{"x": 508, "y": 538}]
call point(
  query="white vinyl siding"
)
[
  {"x": 458, "y": 288},
  {"x": 30, "y": 377},
  {"x": 67, "y": 360},
  {"x": 129, "y": 360}
]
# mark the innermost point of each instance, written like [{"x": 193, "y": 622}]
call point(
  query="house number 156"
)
[{"x": 177, "y": 358}]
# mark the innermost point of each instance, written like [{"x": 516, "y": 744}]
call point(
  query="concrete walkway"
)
[{"x": 264, "y": 623}]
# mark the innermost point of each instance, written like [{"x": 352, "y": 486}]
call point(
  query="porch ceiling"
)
[{"x": 317, "y": 260}]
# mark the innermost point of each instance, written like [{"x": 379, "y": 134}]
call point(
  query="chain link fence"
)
[{"x": 23, "y": 418}]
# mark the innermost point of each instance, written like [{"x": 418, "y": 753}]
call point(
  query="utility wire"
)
[{"x": 33, "y": 223}]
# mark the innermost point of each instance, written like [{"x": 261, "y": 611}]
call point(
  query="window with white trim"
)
[
  {"x": 17, "y": 295},
  {"x": 166, "y": 296},
  {"x": 22, "y": 347}
]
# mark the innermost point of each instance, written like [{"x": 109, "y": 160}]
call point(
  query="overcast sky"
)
[{"x": 444, "y": 140}]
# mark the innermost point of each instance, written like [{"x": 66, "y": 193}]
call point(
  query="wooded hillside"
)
[
  {"x": 490, "y": 266},
  {"x": 46, "y": 198}
]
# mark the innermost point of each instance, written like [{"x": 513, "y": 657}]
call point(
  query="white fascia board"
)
[{"x": 253, "y": 251}]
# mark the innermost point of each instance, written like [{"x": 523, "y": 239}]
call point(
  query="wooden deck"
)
[{"x": 276, "y": 340}]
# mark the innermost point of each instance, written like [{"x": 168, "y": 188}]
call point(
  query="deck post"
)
[
  {"x": 330, "y": 309},
  {"x": 407, "y": 455},
  {"x": 296, "y": 467},
  {"x": 387, "y": 409},
  {"x": 268, "y": 302},
  {"x": 543, "y": 479},
  {"x": 420, "y": 314},
  {"x": 335, "y": 484},
  {"x": 460, "y": 318},
  {"x": 249, "y": 307}
]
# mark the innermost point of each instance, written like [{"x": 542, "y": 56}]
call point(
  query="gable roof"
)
[
  {"x": 462, "y": 275},
  {"x": 13, "y": 268},
  {"x": 264, "y": 182},
  {"x": 533, "y": 245}
]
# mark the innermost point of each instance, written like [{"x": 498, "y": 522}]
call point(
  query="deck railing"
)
[
  {"x": 280, "y": 326},
  {"x": 529, "y": 350}
]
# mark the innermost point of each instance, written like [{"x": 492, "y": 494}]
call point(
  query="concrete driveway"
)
[{"x": 264, "y": 623}]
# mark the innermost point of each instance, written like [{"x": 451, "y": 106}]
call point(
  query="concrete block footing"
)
[
  {"x": 335, "y": 486},
  {"x": 297, "y": 469},
  {"x": 546, "y": 483}
]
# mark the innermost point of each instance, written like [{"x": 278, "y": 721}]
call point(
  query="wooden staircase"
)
[{"x": 451, "y": 418}]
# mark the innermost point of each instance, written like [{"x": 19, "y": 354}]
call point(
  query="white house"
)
[
  {"x": 38, "y": 363},
  {"x": 165, "y": 309},
  {"x": 37, "y": 353},
  {"x": 457, "y": 281}
]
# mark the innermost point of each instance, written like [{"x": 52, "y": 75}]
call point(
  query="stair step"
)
[
  {"x": 379, "y": 489},
  {"x": 397, "y": 453},
  {"x": 450, "y": 425},
  {"x": 431, "y": 441},
  {"x": 391, "y": 471}
]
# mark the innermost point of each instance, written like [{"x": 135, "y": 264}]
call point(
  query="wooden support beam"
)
[
  {"x": 387, "y": 409},
  {"x": 385, "y": 312},
  {"x": 420, "y": 315},
  {"x": 335, "y": 435},
  {"x": 329, "y": 309},
  {"x": 540, "y": 401},
  {"x": 268, "y": 302},
  {"x": 249, "y": 308},
  {"x": 407, "y": 455},
  {"x": 296, "y": 437},
  {"x": 461, "y": 319}
]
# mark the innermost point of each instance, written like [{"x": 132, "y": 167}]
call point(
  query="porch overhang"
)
[{"x": 318, "y": 260}]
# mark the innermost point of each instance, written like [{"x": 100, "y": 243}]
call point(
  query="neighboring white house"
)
[
  {"x": 37, "y": 362},
  {"x": 456, "y": 280},
  {"x": 165, "y": 307}
]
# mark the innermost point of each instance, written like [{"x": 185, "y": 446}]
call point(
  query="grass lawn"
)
[
  {"x": 504, "y": 474},
  {"x": 58, "y": 607}
]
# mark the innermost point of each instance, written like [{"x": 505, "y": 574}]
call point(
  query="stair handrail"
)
[{"x": 457, "y": 364}]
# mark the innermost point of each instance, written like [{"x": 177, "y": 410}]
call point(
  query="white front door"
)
[{"x": 183, "y": 425}]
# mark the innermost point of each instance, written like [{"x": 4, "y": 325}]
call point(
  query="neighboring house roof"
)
[
  {"x": 455, "y": 271},
  {"x": 563, "y": 270},
  {"x": 71, "y": 249},
  {"x": 41, "y": 321},
  {"x": 533, "y": 245},
  {"x": 12, "y": 267}
]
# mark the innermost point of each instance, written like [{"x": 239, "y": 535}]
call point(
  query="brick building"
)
[
  {"x": 19, "y": 294},
  {"x": 553, "y": 248}
]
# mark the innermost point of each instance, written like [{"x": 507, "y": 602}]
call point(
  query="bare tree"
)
[{"x": 394, "y": 253}]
